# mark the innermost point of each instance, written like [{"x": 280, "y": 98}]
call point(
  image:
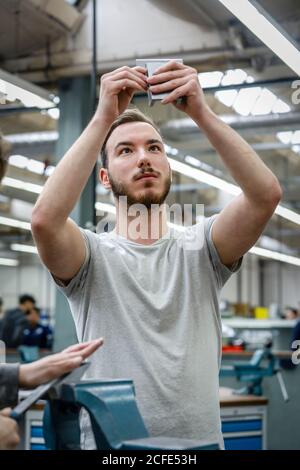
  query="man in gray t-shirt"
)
[
  {"x": 145, "y": 288},
  {"x": 157, "y": 307}
]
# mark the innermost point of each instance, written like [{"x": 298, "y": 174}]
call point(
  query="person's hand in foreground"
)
[
  {"x": 9, "y": 435},
  {"x": 55, "y": 365}
]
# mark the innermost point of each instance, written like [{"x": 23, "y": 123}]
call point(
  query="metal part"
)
[{"x": 152, "y": 65}]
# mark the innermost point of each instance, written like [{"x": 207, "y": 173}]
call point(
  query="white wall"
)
[
  {"x": 281, "y": 283},
  {"x": 30, "y": 278},
  {"x": 289, "y": 290},
  {"x": 250, "y": 283}
]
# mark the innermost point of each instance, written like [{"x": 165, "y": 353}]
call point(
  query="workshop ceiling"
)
[{"x": 29, "y": 25}]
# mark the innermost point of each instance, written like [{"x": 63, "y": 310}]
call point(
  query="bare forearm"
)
[
  {"x": 251, "y": 174},
  {"x": 65, "y": 185}
]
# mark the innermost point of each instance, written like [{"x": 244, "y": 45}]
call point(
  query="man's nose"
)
[{"x": 143, "y": 158}]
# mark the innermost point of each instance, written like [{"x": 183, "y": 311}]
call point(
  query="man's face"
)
[
  {"x": 33, "y": 317},
  {"x": 28, "y": 305},
  {"x": 136, "y": 149}
]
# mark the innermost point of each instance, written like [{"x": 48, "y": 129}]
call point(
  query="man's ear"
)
[{"x": 103, "y": 178}]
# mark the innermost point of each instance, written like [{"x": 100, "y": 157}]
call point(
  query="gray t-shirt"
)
[{"x": 157, "y": 307}]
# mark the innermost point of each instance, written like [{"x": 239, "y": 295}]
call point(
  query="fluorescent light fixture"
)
[
  {"x": 36, "y": 166},
  {"x": 296, "y": 138},
  {"x": 275, "y": 255},
  {"x": 24, "y": 248},
  {"x": 259, "y": 24},
  {"x": 296, "y": 148},
  {"x": 192, "y": 161},
  {"x": 15, "y": 223},
  {"x": 229, "y": 188},
  {"x": 260, "y": 101},
  {"x": 281, "y": 107},
  {"x": 18, "y": 161},
  {"x": 104, "y": 207},
  {"x": 49, "y": 170},
  {"x": 32, "y": 137},
  {"x": 234, "y": 77},
  {"x": 290, "y": 138},
  {"x": 285, "y": 137},
  {"x": 15, "y": 88},
  {"x": 264, "y": 103},
  {"x": 23, "y": 185},
  {"x": 54, "y": 113},
  {"x": 227, "y": 97},
  {"x": 171, "y": 150},
  {"x": 246, "y": 99},
  {"x": 210, "y": 79},
  {"x": 204, "y": 177},
  {"x": 9, "y": 262}
]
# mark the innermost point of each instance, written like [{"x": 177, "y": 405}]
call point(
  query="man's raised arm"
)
[
  {"x": 58, "y": 239},
  {"x": 241, "y": 222}
]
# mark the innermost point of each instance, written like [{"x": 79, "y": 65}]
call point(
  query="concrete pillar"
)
[{"x": 75, "y": 112}]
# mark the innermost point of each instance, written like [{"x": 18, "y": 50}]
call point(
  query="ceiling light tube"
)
[
  {"x": 29, "y": 94},
  {"x": 15, "y": 223},
  {"x": 259, "y": 22},
  {"x": 229, "y": 188},
  {"x": 24, "y": 248},
  {"x": 23, "y": 185},
  {"x": 283, "y": 258},
  {"x": 8, "y": 262}
]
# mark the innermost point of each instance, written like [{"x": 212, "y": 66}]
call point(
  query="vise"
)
[
  {"x": 253, "y": 372},
  {"x": 114, "y": 414}
]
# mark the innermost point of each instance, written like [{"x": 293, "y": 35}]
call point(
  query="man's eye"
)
[
  {"x": 155, "y": 147},
  {"x": 125, "y": 150}
]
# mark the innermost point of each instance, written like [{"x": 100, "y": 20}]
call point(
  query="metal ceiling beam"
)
[
  {"x": 258, "y": 147},
  {"x": 277, "y": 82},
  {"x": 179, "y": 129}
]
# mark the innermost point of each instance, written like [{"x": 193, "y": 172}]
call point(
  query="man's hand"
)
[
  {"x": 51, "y": 367},
  {"x": 117, "y": 89},
  {"x": 9, "y": 434},
  {"x": 182, "y": 82}
]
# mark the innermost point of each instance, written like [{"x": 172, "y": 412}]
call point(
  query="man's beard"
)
[{"x": 147, "y": 199}]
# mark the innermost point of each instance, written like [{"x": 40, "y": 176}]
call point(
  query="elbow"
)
[
  {"x": 273, "y": 196},
  {"x": 39, "y": 223},
  {"x": 276, "y": 193}
]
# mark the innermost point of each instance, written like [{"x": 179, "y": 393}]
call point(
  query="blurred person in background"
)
[
  {"x": 36, "y": 334},
  {"x": 291, "y": 313},
  {"x": 15, "y": 322}
]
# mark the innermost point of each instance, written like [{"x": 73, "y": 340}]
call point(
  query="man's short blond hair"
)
[{"x": 130, "y": 115}]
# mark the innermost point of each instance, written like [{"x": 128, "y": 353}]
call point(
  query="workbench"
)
[{"x": 244, "y": 421}]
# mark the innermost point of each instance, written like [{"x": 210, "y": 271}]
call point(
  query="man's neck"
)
[{"x": 145, "y": 229}]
